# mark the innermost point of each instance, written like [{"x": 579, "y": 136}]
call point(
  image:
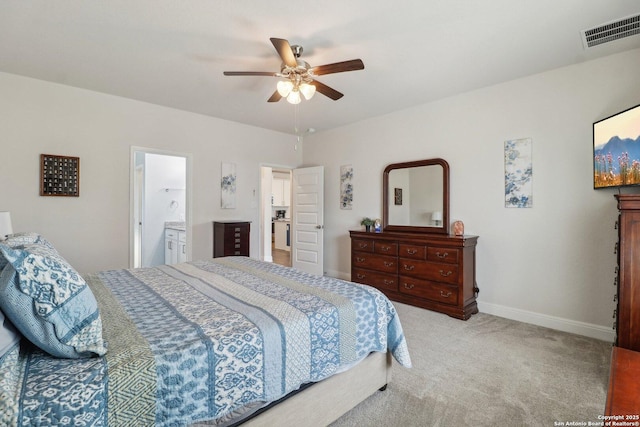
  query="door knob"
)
[{"x": 319, "y": 227}]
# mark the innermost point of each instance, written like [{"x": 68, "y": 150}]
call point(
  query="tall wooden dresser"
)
[
  {"x": 433, "y": 271},
  {"x": 628, "y": 272},
  {"x": 623, "y": 394},
  {"x": 231, "y": 238}
]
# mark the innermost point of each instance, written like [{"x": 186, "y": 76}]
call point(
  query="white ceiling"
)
[{"x": 173, "y": 53}]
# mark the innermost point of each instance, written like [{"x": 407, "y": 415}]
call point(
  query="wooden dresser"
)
[
  {"x": 623, "y": 394},
  {"x": 627, "y": 314},
  {"x": 231, "y": 238},
  {"x": 433, "y": 271}
]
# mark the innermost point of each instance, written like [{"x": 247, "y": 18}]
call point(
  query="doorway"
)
[
  {"x": 160, "y": 201},
  {"x": 304, "y": 195},
  {"x": 275, "y": 230}
]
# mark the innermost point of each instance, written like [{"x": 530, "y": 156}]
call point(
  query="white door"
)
[
  {"x": 307, "y": 226},
  {"x": 138, "y": 214}
]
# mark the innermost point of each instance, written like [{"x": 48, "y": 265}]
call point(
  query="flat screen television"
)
[{"x": 616, "y": 150}]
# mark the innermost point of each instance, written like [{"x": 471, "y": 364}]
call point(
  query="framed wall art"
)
[
  {"x": 346, "y": 187},
  {"x": 228, "y": 186},
  {"x": 397, "y": 196},
  {"x": 518, "y": 173},
  {"x": 59, "y": 176}
]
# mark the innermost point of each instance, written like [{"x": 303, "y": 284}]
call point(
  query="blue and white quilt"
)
[{"x": 201, "y": 341}]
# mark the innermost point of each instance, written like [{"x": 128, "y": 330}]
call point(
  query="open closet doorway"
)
[
  {"x": 160, "y": 207},
  {"x": 275, "y": 230}
]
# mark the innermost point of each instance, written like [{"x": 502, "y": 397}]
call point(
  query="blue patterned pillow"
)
[
  {"x": 26, "y": 238},
  {"x": 48, "y": 301},
  {"x": 23, "y": 238}
]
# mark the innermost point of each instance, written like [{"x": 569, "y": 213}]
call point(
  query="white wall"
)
[
  {"x": 552, "y": 264},
  {"x": 92, "y": 231}
]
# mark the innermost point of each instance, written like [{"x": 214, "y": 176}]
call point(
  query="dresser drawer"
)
[
  {"x": 379, "y": 280},
  {"x": 235, "y": 239},
  {"x": 448, "y": 255},
  {"x": 362, "y": 245},
  {"x": 436, "y": 271},
  {"x": 412, "y": 251},
  {"x": 433, "y": 291},
  {"x": 386, "y": 248},
  {"x": 387, "y": 264}
]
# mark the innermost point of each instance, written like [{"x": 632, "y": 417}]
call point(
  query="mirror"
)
[{"x": 416, "y": 196}]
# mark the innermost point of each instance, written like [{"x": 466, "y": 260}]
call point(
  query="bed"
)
[{"x": 210, "y": 342}]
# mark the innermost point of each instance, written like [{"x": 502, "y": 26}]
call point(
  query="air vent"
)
[{"x": 611, "y": 31}]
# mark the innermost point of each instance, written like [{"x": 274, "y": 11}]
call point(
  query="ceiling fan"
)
[{"x": 298, "y": 77}]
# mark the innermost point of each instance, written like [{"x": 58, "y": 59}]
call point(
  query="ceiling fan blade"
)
[
  {"x": 275, "y": 97},
  {"x": 284, "y": 50},
  {"x": 249, "y": 73},
  {"x": 338, "y": 67},
  {"x": 327, "y": 91}
]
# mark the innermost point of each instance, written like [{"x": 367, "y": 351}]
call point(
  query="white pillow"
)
[{"x": 8, "y": 335}]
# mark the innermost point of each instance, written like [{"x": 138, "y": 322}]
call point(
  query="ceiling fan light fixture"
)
[
  {"x": 294, "y": 97},
  {"x": 308, "y": 90},
  {"x": 284, "y": 87},
  {"x": 298, "y": 76}
]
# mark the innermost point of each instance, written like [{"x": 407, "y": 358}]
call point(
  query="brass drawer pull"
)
[
  {"x": 358, "y": 259},
  {"x": 443, "y": 255},
  {"x": 408, "y": 286},
  {"x": 409, "y": 267},
  {"x": 412, "y": 251},
  {"x": 388, "y": 263},
  {"x": 363, "y": 245},
  {"x": 385, "y": 248},
  {"x": 448, "y": 273},
  {"x": 447, "y": 295},
  {"x": 388, "y": 282},
  {"x": 360, "y": 276}
]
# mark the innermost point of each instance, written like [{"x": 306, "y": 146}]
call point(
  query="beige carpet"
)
[{"x": 488, "y": 371}]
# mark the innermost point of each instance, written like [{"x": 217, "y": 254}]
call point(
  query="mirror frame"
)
[{"x": 444, "y": 229}]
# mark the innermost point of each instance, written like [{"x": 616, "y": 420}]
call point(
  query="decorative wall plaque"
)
[{"x": 59, "y": 175}]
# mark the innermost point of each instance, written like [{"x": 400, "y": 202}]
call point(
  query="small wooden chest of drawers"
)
[
  {"x": 231, "y": 238},
  {"x": 436, "y": 272}
]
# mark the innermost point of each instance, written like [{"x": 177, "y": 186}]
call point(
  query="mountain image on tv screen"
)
[{"x": 616, "y": 150}]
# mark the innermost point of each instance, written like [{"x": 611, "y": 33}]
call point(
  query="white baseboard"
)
[
  {"x": 590, "y": 330},
  {"x": 566, "y": 325},
  {"x": 338, "y": 275}
]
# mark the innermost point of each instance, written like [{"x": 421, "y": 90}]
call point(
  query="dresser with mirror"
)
[{"x": 414, "y": 259}]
